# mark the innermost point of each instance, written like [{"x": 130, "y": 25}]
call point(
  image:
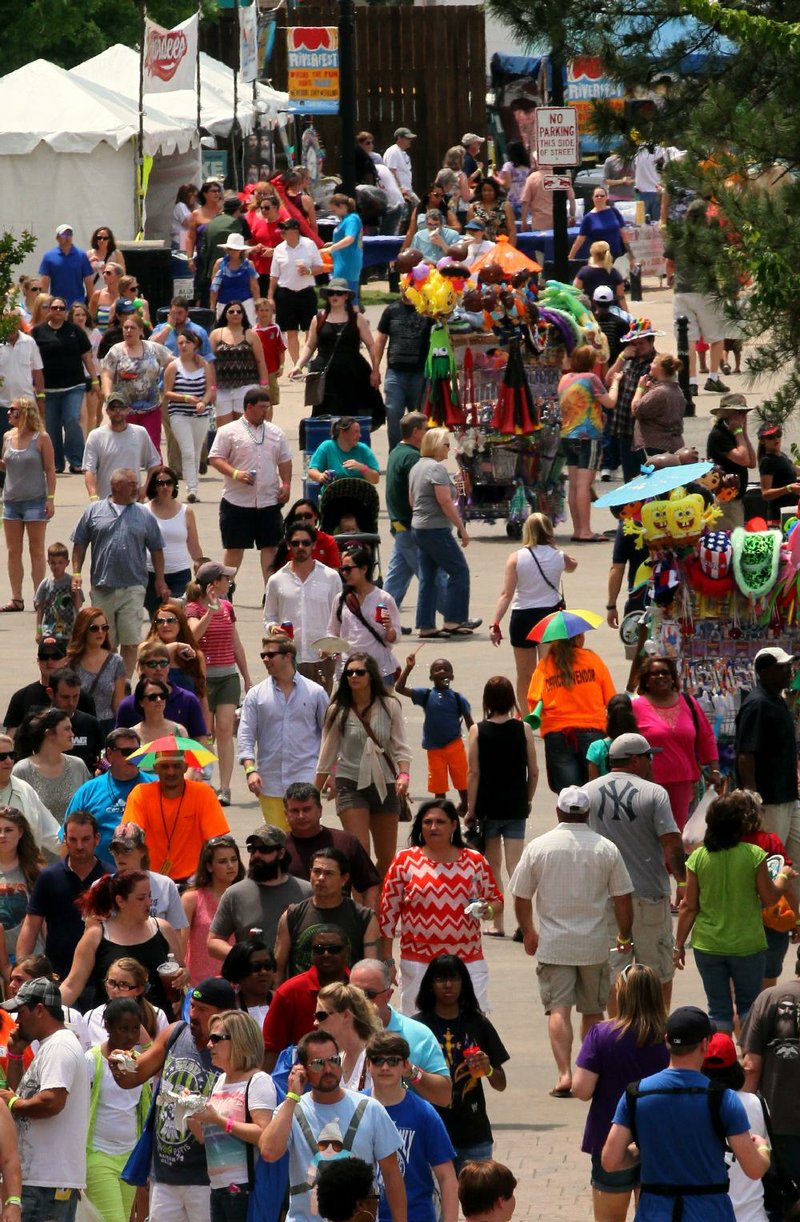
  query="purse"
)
[
  {"x": 316, "y": 380},
  {"x": 406, "y": 814},
  {"x": 561, "y": 605}
]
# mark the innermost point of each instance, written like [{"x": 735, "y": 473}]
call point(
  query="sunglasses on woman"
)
[
  {"x": 216, "y": 1038},
  {"x": 166, "y": 619},
  {"x": 357, "y": 671},
  {"x": 153, "y": 697},
  {"x": 98, "y": 627}
]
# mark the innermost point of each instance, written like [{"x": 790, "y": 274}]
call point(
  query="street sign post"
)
[{"x": 557, "y": 141}]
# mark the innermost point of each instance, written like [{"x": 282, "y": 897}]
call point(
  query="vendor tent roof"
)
[{"x": 118, "y": 67}]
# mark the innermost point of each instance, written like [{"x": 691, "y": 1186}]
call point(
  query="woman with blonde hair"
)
[
  {"x": 238, "y": 1111},
  {"x": 103, "y": 299},
  {"x": 614, "y": 1053},
  {"x": 40, "y": 309},
  {"x": 600, "y": 271},
  {"x": 659, "y": 406},
  {"x": 28, "y": 462},
  {"x": 532, "y": 587},
  {"x": 433, "y": 515},
  {"x": 569, "y": 691},
  {"x": 344, "y": 1012}
]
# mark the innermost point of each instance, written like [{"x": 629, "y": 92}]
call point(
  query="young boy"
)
[
  {"x": 441, "y": 729},
  {"x": 426, "y": 1145},
  {"x": 486, "y": 1191},
  {"x": 55, "y": 602},
  {"x": 269, "y": 333}
]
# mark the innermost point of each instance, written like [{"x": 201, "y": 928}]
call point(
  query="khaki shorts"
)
[
  {"x": 274, "y": 388},
  {"x": 123, "y": 610},
  {"x": 585, "y": 987},
  {"x": 704, "y": 315},
  {"x": 653, "y": 939}
]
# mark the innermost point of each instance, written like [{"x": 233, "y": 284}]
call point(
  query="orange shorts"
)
[{"x": 441, "y": 760}]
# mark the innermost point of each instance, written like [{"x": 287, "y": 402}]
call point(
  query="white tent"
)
[
  {"x": 68, "y": 154},
  {"x": 118, "y": 68}
]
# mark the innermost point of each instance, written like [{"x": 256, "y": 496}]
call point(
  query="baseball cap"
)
[
  {"x": 290, "y": 223},
  {"x": 627, "y": 745},
  {"x": 51, "y": 647},
  {"x": 471, "y": 137},
  {"x": 770, "y": 429},
  {"x": 116, "y": 401},
  {"x": 406, "y": 133},
  {"x": 603, "y": 293},
  {"x": 721, "y": 1052},
  {"x": 62, "y": 229},
  {"x": 573, "y": 801},
  {"x": 212, "y": 570},
  {"x": 127, "y": 836},
  {"x": 214, "y": 991},
  {"x": 688, "y": 1025},
  {"x": 476, "y": 224},
  {"x": 34, "y": 991},
  {"x": 268, "y": 835},
  {"x": 772, "y": 655}
]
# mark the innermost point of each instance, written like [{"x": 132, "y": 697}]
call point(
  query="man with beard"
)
[
  {"x": 258, "y": 900},
  {"x": 364, "y": 1124},
  {"x": 293, "y": 1006},
  {"x": 179, "y": 1177}
]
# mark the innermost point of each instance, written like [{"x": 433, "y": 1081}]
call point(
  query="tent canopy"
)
[
  {"x": 42, "y": 103},
  {"x": 118, "y": 67}
]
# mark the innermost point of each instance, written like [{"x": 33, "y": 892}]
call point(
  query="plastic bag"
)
[{"x": 695, "y": 829}]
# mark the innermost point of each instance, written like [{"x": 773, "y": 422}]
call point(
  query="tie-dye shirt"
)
[{"x": 581, "y": 413}]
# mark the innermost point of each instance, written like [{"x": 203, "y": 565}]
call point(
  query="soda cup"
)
[
  {"x": 379, "y": 610},
  {"x": 168, "y": 973},
  {"x": 474, "y": 1050}
]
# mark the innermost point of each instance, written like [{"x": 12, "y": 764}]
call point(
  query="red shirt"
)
[
  {"x": 326, "y": 550},
  {"x": 769, "y": 842},
  {"x": 273, "y": 345},
  {"x": 291, "y": 1011},
  {"x": 265, "y": 233}
]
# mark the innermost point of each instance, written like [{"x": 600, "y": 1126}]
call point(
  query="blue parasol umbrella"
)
[{"x": 653, "y": 483}]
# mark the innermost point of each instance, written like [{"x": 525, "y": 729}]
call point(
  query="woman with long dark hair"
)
[
  {"x": 182, "y": 215},
  {"x": 55, "y": 775},
  {"x": 239, "y": 363},
  {"x": 103, "y": 249},
  {"x": 364, "y": 737},
  {"x": 364, "y": 615},
  {"x": 20, "y": 866},
  {"x": 250, "y": 967},
  {"x": 150, "y": 697},
  {"x": 187, "y": 664},
  {"x": 727, "y": 885},
  {"x": 334, "y": 341},
  {"x": 501, "y": 781},
  {"x": 446, "y": 1003},
  {"x": 178, "y": 525},
  {"x": 218, "y": 867},
  {"x": 122, "y": 926},
  {"x": 514, "y": 173},
  {"x": 573, "y": 686},
  {"x": 100, "y": 670},
  {"x": 436, "y": 869},
  {"x": 614, "y": 1053},
  {"x": 490, "y": 205}
]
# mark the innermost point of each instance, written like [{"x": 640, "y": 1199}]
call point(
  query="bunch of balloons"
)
[{"x": 434, "y": 291}]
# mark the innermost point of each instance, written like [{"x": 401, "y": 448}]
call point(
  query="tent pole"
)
[
  {"x": 199, "y": 124},
  {"x": 140, "y": 139},
  {"x": 236, "y": 68}
]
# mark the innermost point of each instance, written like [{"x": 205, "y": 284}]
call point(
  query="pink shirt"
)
[
  {"x": 680, "y": 756},
  {"x": 199, "y": 963}
]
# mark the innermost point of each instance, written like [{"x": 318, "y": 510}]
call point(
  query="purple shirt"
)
[
  {"x": 617, "y": 1060},
  {"x": 182, "y": 706}
]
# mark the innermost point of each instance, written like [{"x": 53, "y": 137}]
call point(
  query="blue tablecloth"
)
[{"x": 386, "y": 249}]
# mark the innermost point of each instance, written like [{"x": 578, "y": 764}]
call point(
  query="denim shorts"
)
[
  {"x": 613, "y": 1181},
  {"x": 26, "y": 511},
  {"x": 349, "y": 796},
  {"x": 509, "y": 829}
]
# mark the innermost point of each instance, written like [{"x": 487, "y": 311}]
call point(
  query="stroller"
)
[{"x": 349, "y": 497}]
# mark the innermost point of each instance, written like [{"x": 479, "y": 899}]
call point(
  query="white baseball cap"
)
[
  {"x": 603, "y": 293},
  {"x": 573, "y": 801}
]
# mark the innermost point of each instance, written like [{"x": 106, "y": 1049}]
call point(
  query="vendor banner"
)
[
  {"x": 313, "y": 63},
  {"x": 170, "y": 56},
  {"x": 248, "y": 43}
]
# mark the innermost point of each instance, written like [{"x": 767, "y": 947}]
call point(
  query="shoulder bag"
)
[
  {"x": 561, "y": 605},
  {"x": 316, "y": 380},
  {"x": 405, "y": 802}
]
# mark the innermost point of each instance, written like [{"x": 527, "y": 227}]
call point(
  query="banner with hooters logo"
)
[{"x": 170, "y": 56}]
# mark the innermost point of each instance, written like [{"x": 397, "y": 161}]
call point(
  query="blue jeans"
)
[
  {"x": 610, "y": 448},
  {"x": 402, "y": 392},
  {"x": 40, "y": 1205},
  {"x": 717, "y": 972},
  {"x": 230, "y": 1206},
  {"x": 438, "y": 549},
  {"x": 403, "y": 565},
  {"x": 391, "y": 220},
  {"x": 652, "y": 205},
  {"x": 177, "y": 583},
  {"x": 62, "y": 414},
  {"x": 480, "y": 1153},
  {"x": 565, "y": 757}
]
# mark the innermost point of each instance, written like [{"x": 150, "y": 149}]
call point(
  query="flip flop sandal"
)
[
  {"x": 14, "y": 604},
  {"x": 439, "y": 634},
  {"x": 460, "y": 630}
]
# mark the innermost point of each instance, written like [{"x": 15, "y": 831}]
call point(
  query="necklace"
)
[
  {"x": 254, "y": 436},
  {"x": 167, "y": 865}
]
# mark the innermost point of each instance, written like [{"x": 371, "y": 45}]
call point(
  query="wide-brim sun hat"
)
[
  {"x": 236, "y": 242},
  {"x": 337, "y": 284}
]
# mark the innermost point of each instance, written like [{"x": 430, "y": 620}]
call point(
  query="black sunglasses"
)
[
  {"x": 321, "y": 1015},
  {"x": 300, "y": 543},
  {"x": 260, "y": 965},
  {"x": 154, "y": 696},
  {"x": 270, "y": 653},
  {"x": 7, "y": 755},
  {"x": 360, "y": 671},
  {"x": 165, "y": 483},
  {"x": 155, "y": 663},
  {"x": 392, "y": 1061},
  {"x": 98, "y": 627},
  {"x": 257, "y": 847},
  {"x": 321, "y": 1062},
  {"x": 215, "y": 1038},
  {"x": 126, "y": 751},
  {"x": 348, "y": 568},
  {"x": 335, "y": 949},
  {"x": 50, "y": 657}
]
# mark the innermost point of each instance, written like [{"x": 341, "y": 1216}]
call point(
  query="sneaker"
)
[
  {"x": 694, "y": 389},
  {"x": 224, "y": 796},
  {"x": 473, "y": 623},
  {"x": 406, "y": 631},
  {"x": 605, "y": 475},
  {"x": 191, "y": 498},
  {"x": 716, "y": 386}
]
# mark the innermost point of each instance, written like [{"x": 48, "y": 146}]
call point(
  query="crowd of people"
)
[{"x": 218, "y": 1024}]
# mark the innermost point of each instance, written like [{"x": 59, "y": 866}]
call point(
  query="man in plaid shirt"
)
[{"x": 631, "y": 364}]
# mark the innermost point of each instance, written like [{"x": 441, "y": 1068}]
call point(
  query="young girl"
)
[
  {"x": 250, "y": 967},
  {"x": 219, "y": 866},
  {"x": 126, "y": 979},
  {"x": 116, "y": 1116}
]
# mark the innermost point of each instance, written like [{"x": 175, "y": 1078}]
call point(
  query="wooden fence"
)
[{"x": 422, "y": 68}]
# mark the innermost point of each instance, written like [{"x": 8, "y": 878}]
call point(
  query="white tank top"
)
[
  {"x": 532, "y": 589},
  {"x": 176, "y": 553}
]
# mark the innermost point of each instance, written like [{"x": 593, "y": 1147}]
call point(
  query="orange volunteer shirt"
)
[
  {"x": 579, "y": 707},
  {"x": 176, "y": 828}
]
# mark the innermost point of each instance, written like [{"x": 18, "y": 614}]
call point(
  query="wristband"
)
[
  {"x": 14, "y": 1201},
  {"x": 736, "y": 432},
  {"x": 761, "y": 1150},
  {"x": 76, "y": 574},
  {"x": 13, "y": 1099},
  {"x": 94, "y": 497},
  {"x": 611, "y": 606},
  {"x": 489, "y": 1072},
  {"x": 14, "y": 1056},
  {"x": 51, "y": 496},
  {"x": 295, "y": 1098},
  {"x": 229, "y": 1123},
  {"x": 40, "y": 394},
  {"x": 680, "y": 886},
  {"x": 95, "y": 381},
  {"x": 251, "y": 768},
  {"x": 624, "y": 941},
  {"x": 236, "y": 472}
]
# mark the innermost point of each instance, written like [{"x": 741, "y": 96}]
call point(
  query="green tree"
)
[
  {"x": 735, "y": 115},
  {"x": 12, "y": 252}
]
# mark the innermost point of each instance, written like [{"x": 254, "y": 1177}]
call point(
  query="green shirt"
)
[
  {"x": 729, "y": 920},
  {"x": 402, "y": 458}
]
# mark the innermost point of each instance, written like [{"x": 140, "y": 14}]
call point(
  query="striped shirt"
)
[
  {"x": 217, "y": 640},
  {"x": 428, "y": 898},
  {"x": 188, "y": 383}
]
